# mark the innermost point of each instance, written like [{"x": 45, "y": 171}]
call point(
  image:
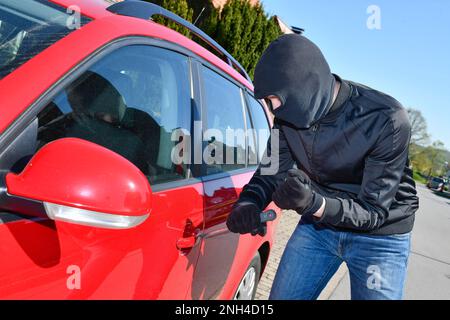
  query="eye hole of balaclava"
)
[{"x": 269, "y": 104}]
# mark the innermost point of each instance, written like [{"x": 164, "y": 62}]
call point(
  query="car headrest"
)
[{"x": 95, "y": 96}]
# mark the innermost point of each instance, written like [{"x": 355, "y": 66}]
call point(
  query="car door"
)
[
  {"x": 225, "y": 173},
  {"x": 132, "y": 100}
]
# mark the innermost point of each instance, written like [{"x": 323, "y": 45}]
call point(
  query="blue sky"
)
[{"x": 408, "y": 58}]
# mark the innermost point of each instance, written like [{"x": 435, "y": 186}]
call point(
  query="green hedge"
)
[{"x": 243, "y": 30}]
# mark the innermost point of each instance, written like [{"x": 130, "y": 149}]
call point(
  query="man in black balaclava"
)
[{"x": 342, "y": 159}]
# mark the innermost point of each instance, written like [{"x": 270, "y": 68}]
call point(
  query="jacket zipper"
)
[{"x": 315, "y": 129}]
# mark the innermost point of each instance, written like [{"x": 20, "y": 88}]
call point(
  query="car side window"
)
[
  {"x": 130, "y": 102},
  {"x": 260, "y": 124},
  {"x": 225, "y": 124}
]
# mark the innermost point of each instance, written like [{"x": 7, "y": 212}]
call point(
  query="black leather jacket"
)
[{"x": 356, "y": 157}]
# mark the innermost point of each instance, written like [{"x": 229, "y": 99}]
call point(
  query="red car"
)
[{"x": 93, "y": 96}]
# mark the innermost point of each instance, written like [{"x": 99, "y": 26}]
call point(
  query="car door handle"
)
[
  {"x": 189, "y": 242},
  {"x": 186, "y": 243}
]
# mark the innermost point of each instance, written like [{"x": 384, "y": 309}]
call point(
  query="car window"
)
[
  {"x": 225, "y": 124},
  {"x": 27, "y": 27},
  {"x": 130, "y": 102},
  {"x": 260, "y": 124}
]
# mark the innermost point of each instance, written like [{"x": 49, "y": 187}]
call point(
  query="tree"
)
[
  {"x": 419, "y": 134},
  {"x": 421, "y": 162},
  {"x": 419, "y": 154},
  {"x": 202, "y": 10},
  {"x": 428, "y": 159},
  {"x": 254, "y": 49},
  {"x": 437, "y": 158},
  {"x": 210, "y": 22},
  {"x": 244, "y": 30},
  {"x": 179, "y": 7}
]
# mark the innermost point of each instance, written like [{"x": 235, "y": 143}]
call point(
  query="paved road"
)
[{"x": 429, "y": 265}]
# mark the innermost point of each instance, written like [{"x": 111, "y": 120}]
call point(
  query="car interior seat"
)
[{"x": 98, "y": 111}]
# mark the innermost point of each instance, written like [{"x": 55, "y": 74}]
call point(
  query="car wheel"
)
[{"x": 249, "y": 283}]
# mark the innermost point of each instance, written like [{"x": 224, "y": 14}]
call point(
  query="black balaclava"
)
[{"x": 295, "y": 70}]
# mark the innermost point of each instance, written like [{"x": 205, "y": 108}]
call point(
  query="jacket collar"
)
[{"x": 343, "y": 96}]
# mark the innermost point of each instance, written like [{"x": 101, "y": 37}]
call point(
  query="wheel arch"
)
[{"x": 264, "y": 253}]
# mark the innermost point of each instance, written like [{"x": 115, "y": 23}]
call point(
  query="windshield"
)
[
  {"x": 27, "y": 27},
  {"x": 438, "y": 180}
]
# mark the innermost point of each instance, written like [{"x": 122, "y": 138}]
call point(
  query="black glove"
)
[
  {"x": 295, "y": 193},
  {"x": 244, "y": 217}
]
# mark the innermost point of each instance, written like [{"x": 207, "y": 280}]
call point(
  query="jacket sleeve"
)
[
  {"x": 271, "y": 171},
  {"x": 384, "y": 167}
]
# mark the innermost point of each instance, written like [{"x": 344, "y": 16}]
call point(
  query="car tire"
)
[{"x": 249, "y": 282}]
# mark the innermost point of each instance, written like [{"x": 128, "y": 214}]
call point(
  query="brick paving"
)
[{"x": 286, "y": 226}]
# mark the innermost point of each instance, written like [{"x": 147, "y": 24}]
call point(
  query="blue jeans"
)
[{"x": 377, "y": 264}]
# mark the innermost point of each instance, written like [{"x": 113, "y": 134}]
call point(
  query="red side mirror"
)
[{"x": 82, "y": 182}]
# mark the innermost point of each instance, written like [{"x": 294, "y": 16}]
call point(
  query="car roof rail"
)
[{"x": 146, "y": 10}]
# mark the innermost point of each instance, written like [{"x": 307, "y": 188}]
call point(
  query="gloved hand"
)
[
  {"x": 295, "y": 193},
  {"x": 244, "y": 217}
]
